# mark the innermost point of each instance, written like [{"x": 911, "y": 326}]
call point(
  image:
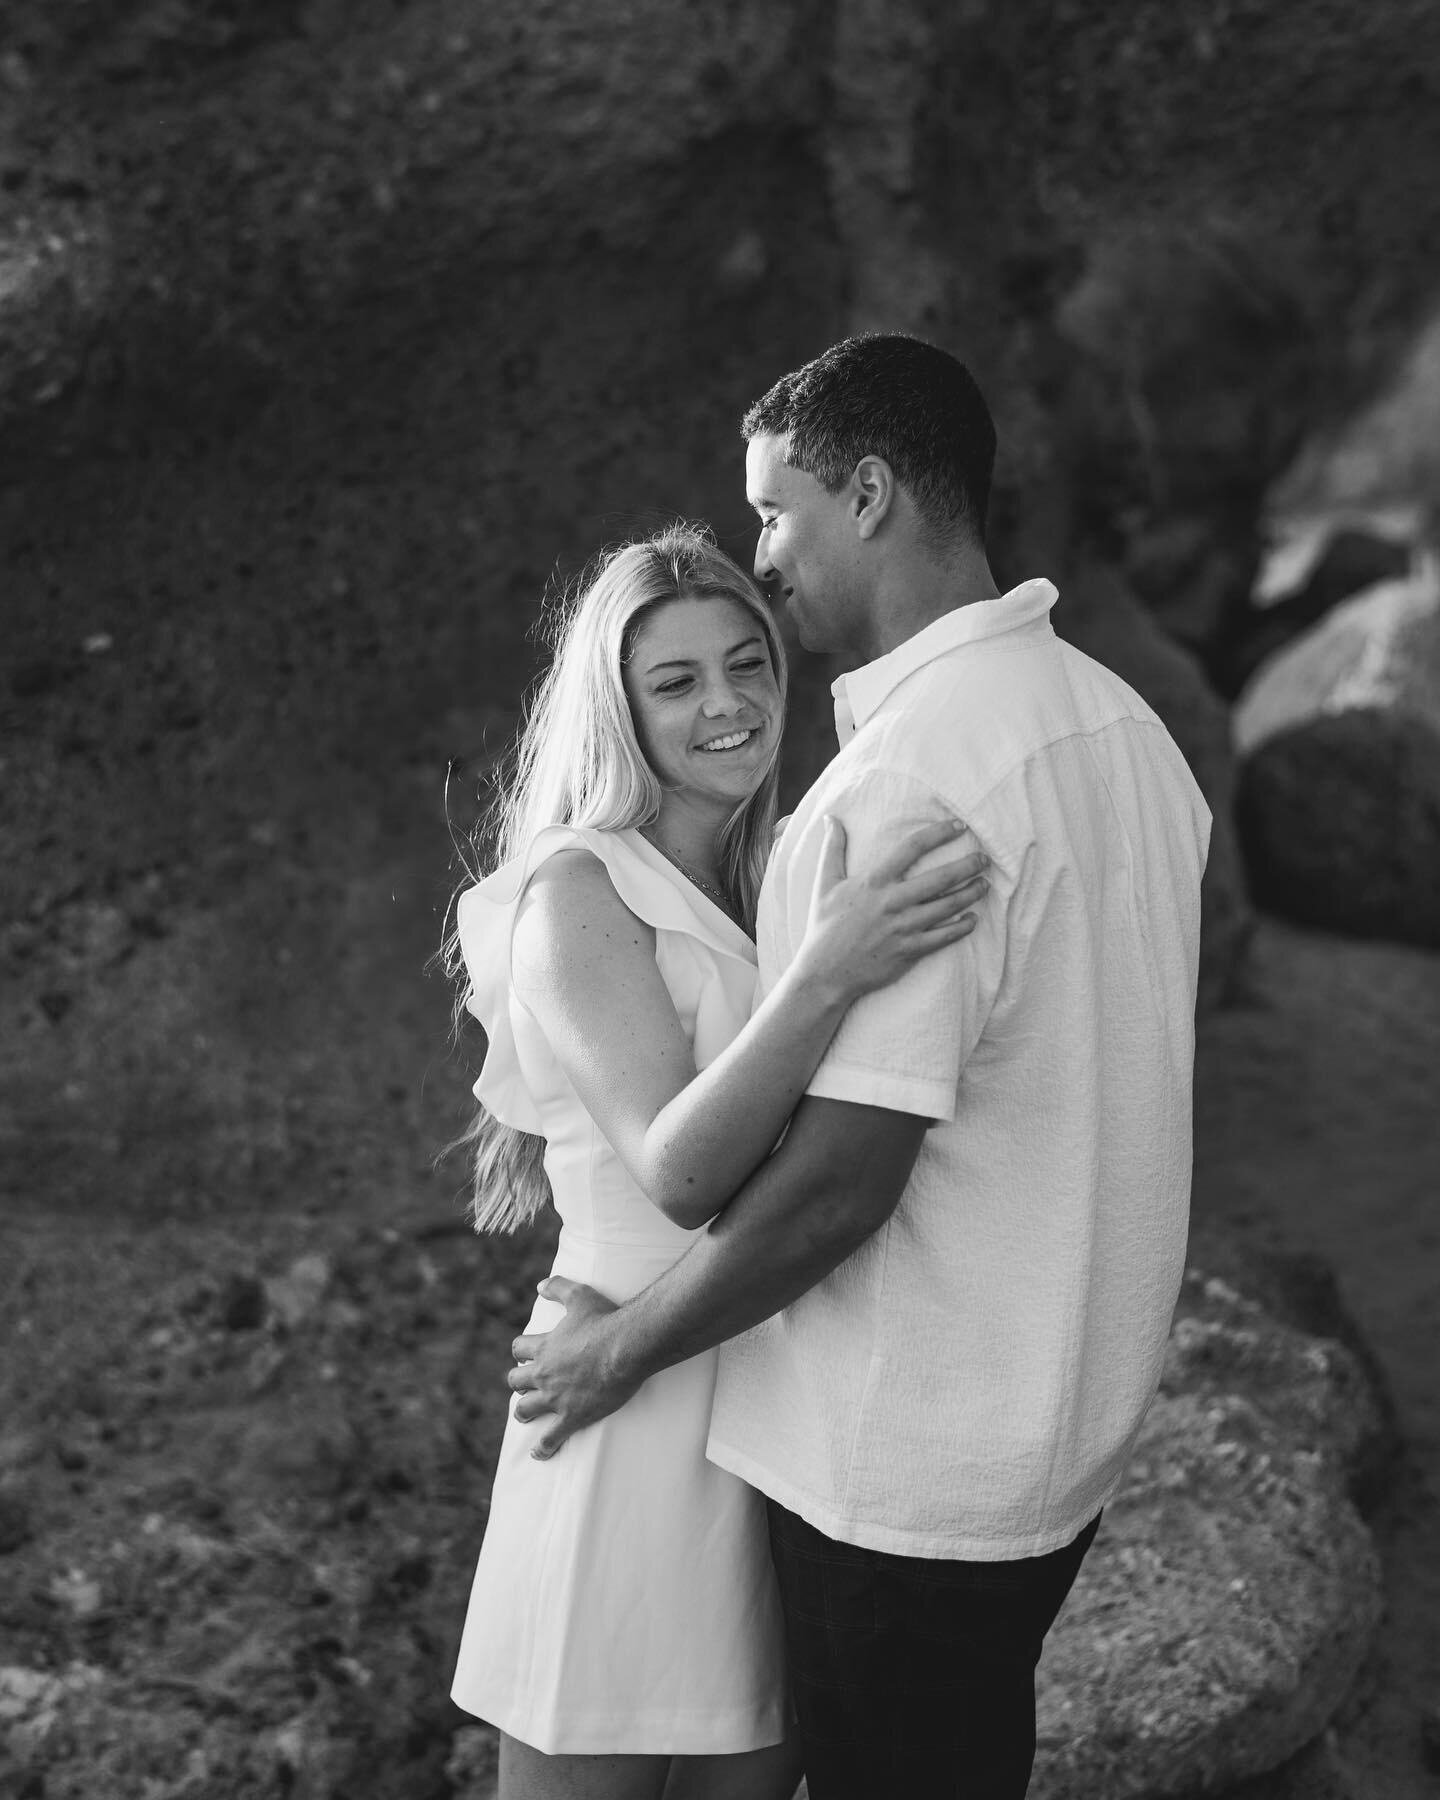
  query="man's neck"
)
[{"x": 920, "y": 591}]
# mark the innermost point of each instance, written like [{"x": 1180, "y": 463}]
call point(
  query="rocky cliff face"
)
[{"x": 331, "y": 330}]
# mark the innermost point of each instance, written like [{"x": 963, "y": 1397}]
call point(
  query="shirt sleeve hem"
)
[{"x": 873, "y": 1087}]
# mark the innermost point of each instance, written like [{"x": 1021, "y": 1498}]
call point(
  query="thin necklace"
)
[{"x": 726, "y": 905}]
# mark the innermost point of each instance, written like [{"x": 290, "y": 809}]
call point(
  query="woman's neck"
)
[{"x": 691, "y": 837}]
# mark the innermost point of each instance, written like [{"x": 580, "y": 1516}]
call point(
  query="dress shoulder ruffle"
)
[{"x": 652, "y": 889}]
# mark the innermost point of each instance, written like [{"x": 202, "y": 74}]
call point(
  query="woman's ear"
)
[{"x": 872, "y": 494}]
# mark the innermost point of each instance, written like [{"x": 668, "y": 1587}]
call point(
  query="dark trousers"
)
[{"x": 914, "y": 1676}]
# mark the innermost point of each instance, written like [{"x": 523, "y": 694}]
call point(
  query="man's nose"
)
[{"x": 765, "y": 572}]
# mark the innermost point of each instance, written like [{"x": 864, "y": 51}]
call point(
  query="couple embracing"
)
[{"x": 870, "y": 1143}]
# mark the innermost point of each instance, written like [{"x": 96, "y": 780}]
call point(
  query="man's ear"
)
[{"x": 872, "y": 494}]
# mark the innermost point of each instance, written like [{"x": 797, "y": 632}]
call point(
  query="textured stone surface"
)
[
  {"x": 1375, "y": 469},
  {"x": 54, "y": 292},
  {"x": 1233, "y": 1589},
  {"x": 1339, "y": 796},
  {"x": 1351, "y": 562}
]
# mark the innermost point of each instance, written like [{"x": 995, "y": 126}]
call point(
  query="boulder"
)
[
  {"x": 1098, "y": 614},
  {"x": 1351, "y": 562},
  {"x": 1375, "y": 471},
  {"x": 1233, "y": 1589},
  {"x": 1338, "y": 803}
]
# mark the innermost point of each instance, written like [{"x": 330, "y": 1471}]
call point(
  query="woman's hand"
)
[{"x": 865, "y": 931}]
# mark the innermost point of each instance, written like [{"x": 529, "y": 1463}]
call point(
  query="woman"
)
[{"x": 623, "y": 1631}]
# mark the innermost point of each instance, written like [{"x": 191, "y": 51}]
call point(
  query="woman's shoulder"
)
[
  {"x": 579, "y": 866},
  {"x": 566, "y": 851},
  {"x": 577, "y": 883},
  {"x": 565, "y": 865}
]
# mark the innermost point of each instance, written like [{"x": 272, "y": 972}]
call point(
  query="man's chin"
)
[{"x": 808, "y": 635}]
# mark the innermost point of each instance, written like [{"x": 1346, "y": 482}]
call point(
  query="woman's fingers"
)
[
  {"x": 947, "y": 878},
  {"x": 832, "y": 854},
  {"x": 925, "y": 913},
  {"x": 938, "y": 934},
  {"x": 919, "y": 908},
  {"x": 917, "y": 844},
  {"x": 940, "y": 917}
]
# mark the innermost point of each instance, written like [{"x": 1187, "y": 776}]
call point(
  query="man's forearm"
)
[
  {"x": 741, "y": 1271},
  {"x": 798, "y": 1217}
]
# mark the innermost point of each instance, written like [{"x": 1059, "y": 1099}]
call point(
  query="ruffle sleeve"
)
[{"x": 486, "y": 922}]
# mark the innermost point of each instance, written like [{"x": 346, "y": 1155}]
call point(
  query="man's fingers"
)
[
  {"x": 522, "y": 1349},
  {"x": 521, "y": 1378},
  {"x": 531, "y": 1406},
  {"x": 553, "y": 1439},
  {"x": 560, "y": 1288}
]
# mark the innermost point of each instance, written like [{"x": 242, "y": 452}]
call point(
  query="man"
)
[{"x": 955, "y": 1277}]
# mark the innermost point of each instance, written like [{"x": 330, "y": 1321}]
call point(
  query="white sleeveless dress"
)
[{"x": 624, "y": 1599}]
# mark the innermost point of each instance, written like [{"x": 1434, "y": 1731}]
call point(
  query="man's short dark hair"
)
[{"x": 898, "y": 398}]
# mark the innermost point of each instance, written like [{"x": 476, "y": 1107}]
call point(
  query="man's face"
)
[{"x": 808, "y": 549}]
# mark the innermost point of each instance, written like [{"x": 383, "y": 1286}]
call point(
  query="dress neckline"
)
[{"x": 678, "y": 878}]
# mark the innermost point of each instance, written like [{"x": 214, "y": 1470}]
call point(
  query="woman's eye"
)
[
  {"x": 750, "y": 665},
  {"x": 677, "y": 686}
]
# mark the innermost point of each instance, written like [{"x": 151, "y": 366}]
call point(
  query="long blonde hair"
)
[{"x": 577, "y": 761}]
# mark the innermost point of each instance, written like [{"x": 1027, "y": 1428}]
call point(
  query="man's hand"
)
[{"x": 569, "y": 1372}]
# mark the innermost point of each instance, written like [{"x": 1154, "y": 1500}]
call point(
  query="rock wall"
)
[{"x": 1223, "y": 1614}]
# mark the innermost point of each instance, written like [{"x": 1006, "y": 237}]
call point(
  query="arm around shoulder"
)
[{"x": 584, "y": 966}]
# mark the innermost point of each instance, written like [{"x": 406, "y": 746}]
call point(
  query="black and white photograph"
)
[{"x": 719, "y": 900}]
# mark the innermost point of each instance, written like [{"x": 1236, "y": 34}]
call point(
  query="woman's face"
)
[{"x": 704, "y": 699}]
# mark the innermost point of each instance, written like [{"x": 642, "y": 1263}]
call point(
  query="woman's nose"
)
[{"x": 720, "y": 701}]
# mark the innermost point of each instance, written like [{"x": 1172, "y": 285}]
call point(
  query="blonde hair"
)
[{"x": 577, "y": 761}]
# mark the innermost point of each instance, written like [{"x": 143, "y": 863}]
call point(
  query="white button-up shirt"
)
[{"x": 970, "y": 1382}]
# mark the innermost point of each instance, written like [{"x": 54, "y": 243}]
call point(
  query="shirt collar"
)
[{"x": 860, "y": 694}]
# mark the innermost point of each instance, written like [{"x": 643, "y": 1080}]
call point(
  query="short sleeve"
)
[
  {"x": 485, "y": 921},
  {"x": 904, "y": 1047}
]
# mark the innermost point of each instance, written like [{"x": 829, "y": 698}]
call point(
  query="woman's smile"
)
[
  {"x": 705, "y": 702},
  {"x": 734, "y": 740}
]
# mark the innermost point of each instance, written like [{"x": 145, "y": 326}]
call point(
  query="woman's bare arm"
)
[{"x": 584, "y": 966}]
